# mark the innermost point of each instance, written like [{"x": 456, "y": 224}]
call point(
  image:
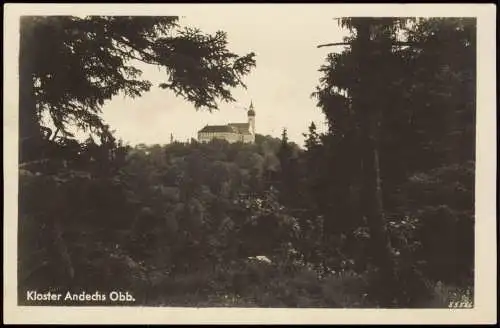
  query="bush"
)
[
  {"x": 249, "y": 283},
  {"x": 442, "y": 201}
]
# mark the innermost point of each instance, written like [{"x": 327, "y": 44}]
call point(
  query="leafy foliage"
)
[{"x": 70, "y": 66}]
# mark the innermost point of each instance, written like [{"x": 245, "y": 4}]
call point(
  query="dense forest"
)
[{"x": 378, "y": 211}]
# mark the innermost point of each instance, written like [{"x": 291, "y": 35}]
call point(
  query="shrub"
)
[{"x": 248, "y": 283}]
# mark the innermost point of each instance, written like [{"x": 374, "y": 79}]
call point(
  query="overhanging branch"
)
[
  {"x": 333, "y": 44},
  {"x": 394, "y": 44}
]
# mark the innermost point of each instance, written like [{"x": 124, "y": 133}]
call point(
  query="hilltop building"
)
[{"x": 232, "y": 132}]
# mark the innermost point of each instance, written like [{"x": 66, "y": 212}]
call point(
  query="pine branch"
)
[
  {"x": 394, "y": 44},
  {"x": 333, "y": 44}
]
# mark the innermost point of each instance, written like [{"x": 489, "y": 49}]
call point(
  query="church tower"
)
[{"x": 251, "y": 119}]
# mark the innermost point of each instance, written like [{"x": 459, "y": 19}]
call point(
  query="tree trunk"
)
[{"x": 366, "y": 106}]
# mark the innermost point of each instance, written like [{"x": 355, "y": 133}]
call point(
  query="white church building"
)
[{"x": 232, "y": 132}]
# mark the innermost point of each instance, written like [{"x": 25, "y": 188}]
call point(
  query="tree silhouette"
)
[
  {"x": 395, "y": 109},
  {"x": 70, "y": 66}
]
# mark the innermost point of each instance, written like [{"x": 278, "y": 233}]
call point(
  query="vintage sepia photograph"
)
[{"x": 283, "y": 161}]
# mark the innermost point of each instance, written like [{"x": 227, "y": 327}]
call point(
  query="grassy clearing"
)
[{"x": 254, "y": 284}]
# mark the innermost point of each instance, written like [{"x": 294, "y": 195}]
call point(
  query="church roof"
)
[
  {"x": 217, "y": 128},
  {"x": 241, "y": 128}
]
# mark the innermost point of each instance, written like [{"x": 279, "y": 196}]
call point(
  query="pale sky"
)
[
  {"x": 284, "y": 38},
  {"x": 286, "y": 73}
]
